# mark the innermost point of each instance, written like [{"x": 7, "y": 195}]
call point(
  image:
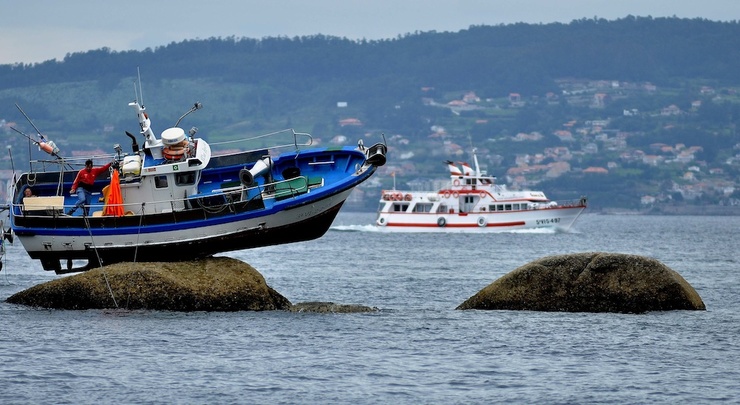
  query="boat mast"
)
[{"x": 475, "y": 161}]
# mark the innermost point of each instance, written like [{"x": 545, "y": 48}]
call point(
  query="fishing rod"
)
[
  {"x": 30, "y": 122},
  {"x": 47, "y": 146}
]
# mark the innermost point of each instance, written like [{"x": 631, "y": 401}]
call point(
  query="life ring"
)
[
  {"x": 482, "y": 222},
  {"x": 455, "y": 194},
  {"x": 407, "y": 197},
  {"x": 482, "y": 194},
  {"x": 173, "y": 154},
  {"x": 176, "y": 151},
  {"x": 456, "y": 182},
  {"x": 441, "y": 222},
  {"x": 398, "y": 196},
  {"x": 447, "y": 194},
  {"x": 387, "y": 197}
]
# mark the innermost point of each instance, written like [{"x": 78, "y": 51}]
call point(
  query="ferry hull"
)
[{"x": 560, "y": 219}]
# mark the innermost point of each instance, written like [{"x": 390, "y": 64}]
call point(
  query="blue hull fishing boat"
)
[{"x": 173, "y": 199}]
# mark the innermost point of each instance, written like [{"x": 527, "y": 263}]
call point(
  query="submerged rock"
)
[
  {"x": 330, "y": 307},
  {"x": 213, "y": 284},
  {"x": 589, "y": 282}
]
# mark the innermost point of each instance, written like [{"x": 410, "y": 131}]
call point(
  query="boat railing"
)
[
  {"x": 216, "y": 201},
  {"x": 581, "y": 202},
  {"x": 275, "y": 141},
  {"x": 66, "y": 164}
]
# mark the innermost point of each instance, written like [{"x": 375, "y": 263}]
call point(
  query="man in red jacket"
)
[{"x": 83, "y": 186}]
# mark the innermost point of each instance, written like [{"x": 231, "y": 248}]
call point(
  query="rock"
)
[
  {"x": 213, "y": 284},
  {"x": 330, "y": 307},
  {"x": 589, "y": 282}
]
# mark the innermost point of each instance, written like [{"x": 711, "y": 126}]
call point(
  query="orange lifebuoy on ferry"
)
[
  {"x": 397, "y": 197},
  {"x": 386, "y": 197},
  {"x": 482, "y": 194},
  {"x": 455, "y": 194},
  {"x": 447, "y": 194},
  {"x": 456, "y": 182},
  {"x": 407, "y": 197}
]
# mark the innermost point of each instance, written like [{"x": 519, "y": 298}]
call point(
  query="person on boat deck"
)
[
  {"x": 28, "y": 192},
  {"x": 83, "y": 186}
]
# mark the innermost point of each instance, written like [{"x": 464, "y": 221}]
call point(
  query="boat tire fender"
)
[
  {"x": 482, "y": 221},
  {"x": 441, "y": 222},
  {"x": 381, "y": 222}
]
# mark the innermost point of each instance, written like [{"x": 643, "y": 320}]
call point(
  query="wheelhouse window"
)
[
  {"x": 160, "y": 181},
  {"x": 442, "y": 208},
  {"x": 185, "y": 179}
]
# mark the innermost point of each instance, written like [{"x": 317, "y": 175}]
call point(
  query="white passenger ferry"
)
[{"x": 473, "y": 202}]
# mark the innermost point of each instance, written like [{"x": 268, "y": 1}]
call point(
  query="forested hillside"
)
[{"x": 524, "y": 79}]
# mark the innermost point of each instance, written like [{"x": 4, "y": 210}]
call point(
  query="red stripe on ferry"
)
[{"x": 500, "y": 224}]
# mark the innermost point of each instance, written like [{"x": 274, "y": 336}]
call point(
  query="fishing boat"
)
[
  {"x": 173, "y": 199},
  {"x": 473, "y": 202}
]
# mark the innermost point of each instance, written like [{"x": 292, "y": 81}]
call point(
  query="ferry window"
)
[
  {"x": 160, "y": 182},
  {"x": 400, "y": 207},
  {"x": 499, "y": 207},
  {"x": 508, "y": 207},
  {"x": 185, "y": 179},
  {"x": 516, "y": 207},
  {"x": 442, "y": 208},
  {"x": 423, "y": 207},
  {"x": 491, "y": 207}
]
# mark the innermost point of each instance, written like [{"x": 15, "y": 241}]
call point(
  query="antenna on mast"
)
[{"x": 141, "y": 91}]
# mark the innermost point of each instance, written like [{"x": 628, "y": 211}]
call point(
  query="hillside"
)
[{"x": 633, "y": 112}]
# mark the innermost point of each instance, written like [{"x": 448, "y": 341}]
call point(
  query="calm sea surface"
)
[{"x": 417, "y": 348}]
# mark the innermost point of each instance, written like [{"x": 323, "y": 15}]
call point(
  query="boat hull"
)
[
  {"x": 98, "y": 247},
  {"x": 557, "y": 218}
]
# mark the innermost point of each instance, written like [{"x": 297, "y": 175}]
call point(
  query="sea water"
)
[{"x": 416, "y": 348}]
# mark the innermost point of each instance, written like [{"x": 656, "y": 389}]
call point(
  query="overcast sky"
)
[{"x": 38, "y": 30}]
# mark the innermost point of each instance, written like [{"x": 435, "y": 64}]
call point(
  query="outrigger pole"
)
[{"x": 47, "y": 146}]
